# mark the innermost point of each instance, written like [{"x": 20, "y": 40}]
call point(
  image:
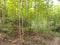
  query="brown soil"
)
[{"x": 29, "y": 38}]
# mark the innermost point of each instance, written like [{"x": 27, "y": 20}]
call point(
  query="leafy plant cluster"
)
[{"x": 39, "y": 15}]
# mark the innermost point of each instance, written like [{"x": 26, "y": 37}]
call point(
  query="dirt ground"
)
[{"x": 29, "y": 38}]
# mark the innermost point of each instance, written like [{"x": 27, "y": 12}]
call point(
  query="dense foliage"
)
[{"x": 35, "y": 14}]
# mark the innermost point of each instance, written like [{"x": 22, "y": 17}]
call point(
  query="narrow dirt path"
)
[{"x": 55, "y": 41}]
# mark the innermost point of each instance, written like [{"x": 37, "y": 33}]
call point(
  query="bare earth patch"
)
[{"x": 30, "y": 39}]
